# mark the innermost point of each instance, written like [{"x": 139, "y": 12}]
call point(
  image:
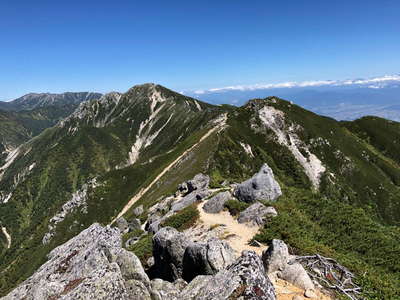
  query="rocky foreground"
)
[
  {"x": 93, "y": 265},
  {"x": 194, "y": 264}
]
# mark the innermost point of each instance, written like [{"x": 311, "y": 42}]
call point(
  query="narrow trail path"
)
[
  {"x": 143, "y": 191},
  {"x": 8, "y": 237},
  {"x": 238, "y": 235}
]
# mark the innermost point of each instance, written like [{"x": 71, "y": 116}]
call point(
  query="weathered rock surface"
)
[
  {"x": 92, "y": 265},
  {"x": 257, "y": 214},
  {"x": 122, "y": 224},
  {"x": 138, "y": 210},
  {"x": 188, "y": 193},
  {"x": 278, "y": 261},
  {"x": 276, "y": 257},
  {"x": 216, "y": 203},
  {"x": 189, "y": 199},
  {"x": 297, "y": 275},
  {"x": 262, "y": 186},
  {"x": 199, "y": 182},
  {"x": 165, "y": 290},
  {"x": 169, "y": 247},
  {"x": 206, "y": 259},
  {"x": 153, "y": 223},
  {"x": 137, "y": 290},
  {"x": 245, "y": 278}
]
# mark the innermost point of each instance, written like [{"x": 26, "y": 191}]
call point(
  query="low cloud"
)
[{"x": 376, "y": 82}]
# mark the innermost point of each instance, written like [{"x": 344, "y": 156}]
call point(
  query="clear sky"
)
[{"x": 58, "y": 46}]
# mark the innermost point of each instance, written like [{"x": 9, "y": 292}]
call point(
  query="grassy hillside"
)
[
  {"x": 382, "y": 134},
  {"x": 18, "y": 127}
]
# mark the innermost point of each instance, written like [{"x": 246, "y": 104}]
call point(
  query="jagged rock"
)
[
  {"x": 276, "y": 257},
  {"x": 153, "y": 223},
  {"x": 138, "y": 210},
  {"x": 278, "y": 261},
  {"x": 154, "y": 227},
  {"x": 189, "y": 199},
  {"x": 194, "y": 191},
  {"x": 262, "y": 186},
  {"x": 257, "y": 214},
  {"x": 169, "y": 247},
  {"x": 137, "y": 290},
  {"x": 129, "y": 264},
  {"x": 122, "y": 224},
  {"x": 244, "y": 279},
  {"x": 165, "y": 290},
  {"x": 91, "y": 265},
  {"x": 199, "y": 182},
  {"x": 165, "y": 204},
  {"x": 206, "y": 259},
  {"x": 216, "y": 203},
  {"x": 134, "y": 224}
]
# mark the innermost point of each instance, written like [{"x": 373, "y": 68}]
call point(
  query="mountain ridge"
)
[
  {"x": 39, "y": 100},
  {"x": 88, "y": 168}
]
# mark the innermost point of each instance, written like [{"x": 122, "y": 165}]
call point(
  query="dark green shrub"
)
[
  {"x": 134, "y": 233},
  {"x": 235, "y": 206},
  {"x": 183, "y": 219},
  {"x": 143, "y": 249}
]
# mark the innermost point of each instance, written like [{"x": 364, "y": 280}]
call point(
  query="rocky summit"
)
[{"x": 150, "y": 194}]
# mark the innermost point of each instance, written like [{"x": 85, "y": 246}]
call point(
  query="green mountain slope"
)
[
  {"x": 341, "y": 190},
  {"x": 384, "y": 135},
  {"x": 42, "y": 100},
  {"x": 26, "y": 117},
  {"x": 96, "y": 160}
]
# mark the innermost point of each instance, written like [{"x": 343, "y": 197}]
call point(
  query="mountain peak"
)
[{"x": 261, "y": 102}]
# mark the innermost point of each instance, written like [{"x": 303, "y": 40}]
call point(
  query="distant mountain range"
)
[
  {"x": 27, "y": 116},
  {"x": 39, "y": 100},
  {"x": 342, "y": 100}
]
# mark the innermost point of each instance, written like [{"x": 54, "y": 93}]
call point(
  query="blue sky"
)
[{"x": 101, "y": 46}]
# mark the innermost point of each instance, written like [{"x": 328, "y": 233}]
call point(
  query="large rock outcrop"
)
[
  {"x": 175, "y": 256},
  {"x": 216, "y": 204},
  {"x": 278, "y": 262},
  {"x": 169, "y": 247},
  {"x": 244, "y": 279},
  {"x": 206, "y": 259},
  {"x": 262, "y": 186},
  {"x": 199, "y": 182},
  {"x": 257, "y": 214},
  {"x": 165, "y": 290},
  {"x": 189, "y": 199},
  {"x": 92, "y": 265}
]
